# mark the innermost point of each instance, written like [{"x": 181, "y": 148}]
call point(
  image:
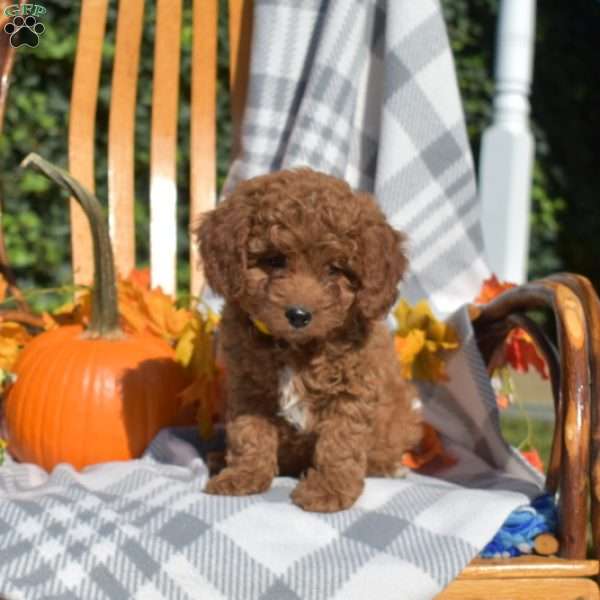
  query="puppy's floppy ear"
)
[
  {"x": 383, "y": 265},
  {"x": 222, "y": 235}
]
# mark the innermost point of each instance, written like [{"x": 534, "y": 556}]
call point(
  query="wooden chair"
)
[
  {"x": 165, "y": 100},
  {"x": 574, "y": 363}
]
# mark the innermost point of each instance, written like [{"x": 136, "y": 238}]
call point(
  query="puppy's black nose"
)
[{"x": 298, "y": 316}]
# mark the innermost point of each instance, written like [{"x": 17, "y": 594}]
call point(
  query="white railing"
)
[{"x": 506, "y": 159}]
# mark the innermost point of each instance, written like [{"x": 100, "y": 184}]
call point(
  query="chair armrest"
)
[{"x": 572, "y": 301}]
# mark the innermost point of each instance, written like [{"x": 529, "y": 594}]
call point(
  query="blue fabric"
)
[{"x": 523, "y": 525}]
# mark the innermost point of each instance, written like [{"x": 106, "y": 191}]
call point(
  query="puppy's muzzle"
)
[{"x": 298, "y": 316}]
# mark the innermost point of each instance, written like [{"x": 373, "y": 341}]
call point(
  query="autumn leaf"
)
[
  {"x": 205, "y": 394},
  {"x": 71, "y": 313},
  {"x": 491, "y": 288},
  {"x": 3, "y": 288},
  {"x": 140, "y": 277},
  {"x": 13, "y": 336},
  {"x": 430, "y": 366},
  {"x": 520, "y": 351},
  {"x": 408, "y": 349},
  {"x": 145, "y": 310},
  {"x": 195, "y": 347},
  {"x": 195, "y": 350},
  {"x": 142, "y": 310},
  {"x": 3, "y": 445},
  {"x": 9, "y": 351},
  {"x": 421, "y": 341},
  {"x": 429, "y": 450},
  {"x": 14, "y": 331}
]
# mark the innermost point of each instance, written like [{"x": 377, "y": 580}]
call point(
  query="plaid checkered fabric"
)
[
  {"x": 149, "y": 534},
  {"x": 365, "y": 90}
]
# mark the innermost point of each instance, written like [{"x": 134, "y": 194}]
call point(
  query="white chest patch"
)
[{"x": 291, "y": 406}]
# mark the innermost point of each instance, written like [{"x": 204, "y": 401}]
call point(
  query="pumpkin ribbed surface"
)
[{"x": 84, "y": 401}]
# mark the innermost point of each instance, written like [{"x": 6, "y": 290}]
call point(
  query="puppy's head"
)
[{"x": 302, "y": 254}]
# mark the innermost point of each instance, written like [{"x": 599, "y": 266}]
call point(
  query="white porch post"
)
[{"x": 506, "y": 158}]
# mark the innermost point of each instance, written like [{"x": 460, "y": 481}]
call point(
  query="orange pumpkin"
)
[{"x": 95, "y": 395}]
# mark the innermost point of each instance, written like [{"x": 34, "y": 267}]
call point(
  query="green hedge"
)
[{"x": 565, "y": 214}]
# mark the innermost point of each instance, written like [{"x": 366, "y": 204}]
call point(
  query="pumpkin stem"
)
[{"x": 105, "y": 310}]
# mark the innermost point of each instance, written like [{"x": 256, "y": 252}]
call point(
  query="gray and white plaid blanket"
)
[{"x": 363, "y": 89}]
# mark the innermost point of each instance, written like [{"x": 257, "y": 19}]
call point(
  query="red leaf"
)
[{"x": 521, "y": 353}]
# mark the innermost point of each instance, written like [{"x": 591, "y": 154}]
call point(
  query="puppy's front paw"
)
[
  {"x": 234, "y": 482},
  {"x": 315, "y": 494}
]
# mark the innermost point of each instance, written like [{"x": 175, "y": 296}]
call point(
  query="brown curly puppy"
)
[{"x": 308, "y": 270}]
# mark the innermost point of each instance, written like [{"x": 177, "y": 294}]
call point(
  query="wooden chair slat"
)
[
  {"x": 240, "y": 38},
  {"x": 163, "y": 147},
  {"x": 82, "y": 124},
  {"x": 203, "y": 118},
  {"x": 121, "y": 128}
]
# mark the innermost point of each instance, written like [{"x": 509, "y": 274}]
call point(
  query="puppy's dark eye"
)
[
  {"x": 273, "y": 261},
  {"x": 335, "y": 270}
]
